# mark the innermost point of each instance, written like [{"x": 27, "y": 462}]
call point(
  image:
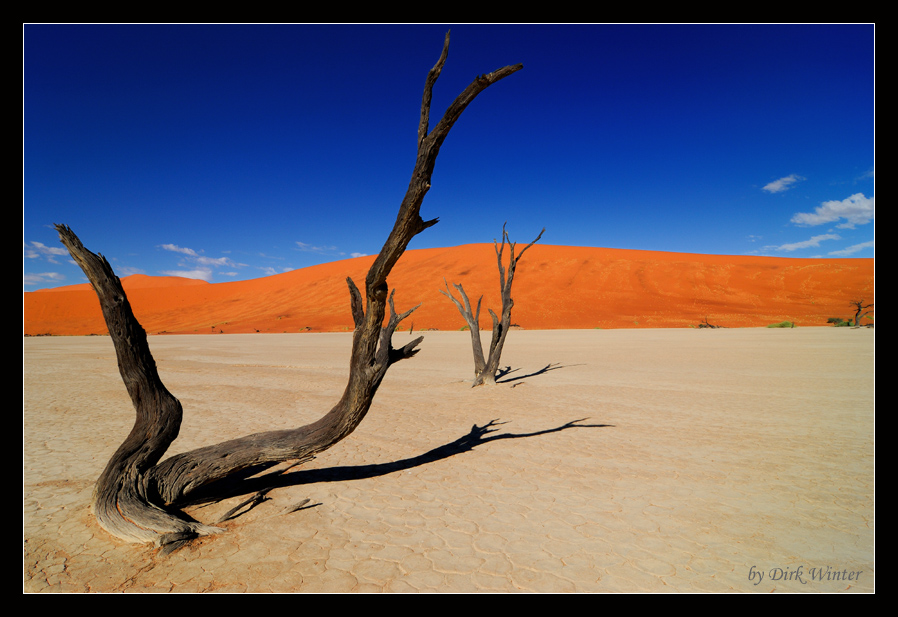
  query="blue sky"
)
[{"x": 235, "y": 152}]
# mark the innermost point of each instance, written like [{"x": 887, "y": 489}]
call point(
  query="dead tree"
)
[
  {"x": 137, "y": 498},
  {"x": 485, "y": 367},
  {"x": 860, "y": 306},
  {"x": 706, "y": 324}
]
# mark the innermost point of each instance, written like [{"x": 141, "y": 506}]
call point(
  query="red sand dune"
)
[{"x": 555, "y": 287}]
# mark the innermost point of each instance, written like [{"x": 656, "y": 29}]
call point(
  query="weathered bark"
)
[
  {"x": 485, "y": 367},
  {"x": 136, "y": 497},
  {"x": 860, "y": 306}
]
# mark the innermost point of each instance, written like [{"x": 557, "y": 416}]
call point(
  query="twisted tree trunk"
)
[
  {"x": 136, "y": 497},
  {"x": 485, "y": 367}
]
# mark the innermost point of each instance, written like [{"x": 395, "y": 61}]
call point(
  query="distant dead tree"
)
[
  {"x": 860, "y": 306},
  {"x": 706, "y": 324},
  {"x": 485, "y": 367},
  {"x": 137, "y": 498}
]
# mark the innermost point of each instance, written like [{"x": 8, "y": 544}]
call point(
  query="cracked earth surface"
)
[{"x": 701, "y": 461}]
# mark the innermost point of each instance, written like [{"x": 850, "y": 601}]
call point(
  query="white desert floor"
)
[{"x": 605, "y": 461}]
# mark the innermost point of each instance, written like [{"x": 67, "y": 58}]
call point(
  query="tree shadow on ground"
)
[
  {"x": 502, "y": 372},
  {"x": 249, "y": 481}
]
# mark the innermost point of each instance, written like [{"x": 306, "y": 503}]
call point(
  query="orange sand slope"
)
[{"x": 555, "y": 287}]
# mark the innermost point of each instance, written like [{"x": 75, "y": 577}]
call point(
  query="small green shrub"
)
[{"x": 782, "y": 324}]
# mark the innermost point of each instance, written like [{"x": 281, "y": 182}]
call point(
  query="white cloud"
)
[
  {"x": 193, "y": 257},
  {"x": 331, "y": 251},
  {"x": 783, "y": 184},
  {"x": 854, "y": 249},
  {"x": 324, "y": 250},
  {"x": 815, "y": 241},
  {"x": 212, "y": 261},
  {"x": 38, "y": 250},
  {"x": 856, "y": 210},
  {"x": 178, "y": 249},
  {"x": 270, "y": 271},
  {"x": 128, "y": 270},
  {"x": 204, "y": 274},
  {"x": 42, "y": 277}
]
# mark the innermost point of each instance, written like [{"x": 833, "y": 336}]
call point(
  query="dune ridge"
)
[{"x": 556, "y": 287}]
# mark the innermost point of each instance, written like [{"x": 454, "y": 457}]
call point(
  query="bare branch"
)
[
  {"x": 134, "y": 493},
  {"x": 531, "y": 244},
  {"x": 432, "y": 76},
  {"x": 355, "y": 300},
  {"x": 485, "y": 369},
  {"x": 409, "y": 222}
]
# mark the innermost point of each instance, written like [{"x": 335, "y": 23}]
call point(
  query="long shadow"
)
[
  {"x": 243, "y": 484},
  {"x": 508, "y": 370}
]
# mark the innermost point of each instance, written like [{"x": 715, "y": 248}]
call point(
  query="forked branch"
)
[
  {"x": 136, "y": 496},
  {"x": 485, "y": 368}
]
